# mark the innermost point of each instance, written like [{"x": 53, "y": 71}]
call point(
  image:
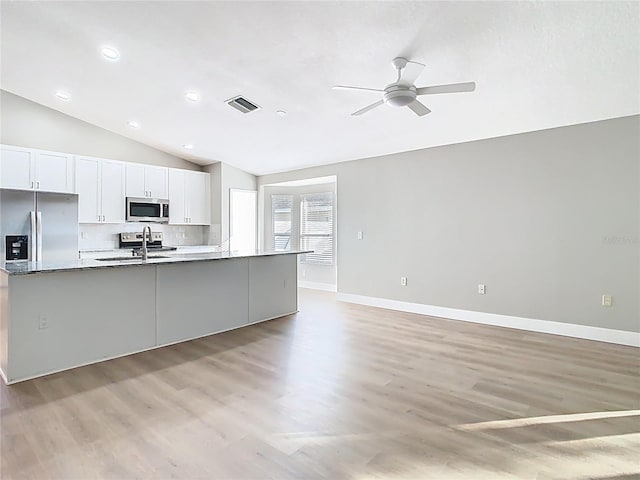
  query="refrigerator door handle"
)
[
  {"x": 39, "y": 235},
  {"x": 32, "y": 240}
]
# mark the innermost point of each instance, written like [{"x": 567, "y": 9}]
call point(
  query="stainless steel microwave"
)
[{"x": 147, "y": 210}]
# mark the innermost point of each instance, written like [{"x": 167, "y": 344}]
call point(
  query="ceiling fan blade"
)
[
  {"x": 411, "y": 72},
  {"x": 449, "y": 88},
  {"x": 367, "y": 108},
  {"x": 419, "y": 108},
  {"x": 346, "y": 87}
]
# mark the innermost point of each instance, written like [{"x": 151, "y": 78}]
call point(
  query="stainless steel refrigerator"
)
[{"x": 47, "y": 222}]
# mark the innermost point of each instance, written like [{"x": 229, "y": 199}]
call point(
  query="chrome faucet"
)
[{"x": 144, "y": 251}]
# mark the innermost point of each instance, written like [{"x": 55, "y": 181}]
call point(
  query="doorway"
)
[{"x": 242, "y": 220}]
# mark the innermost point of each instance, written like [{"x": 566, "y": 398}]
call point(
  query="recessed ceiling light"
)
[
  {"x": 110, "y": 53},
  {"x": 133, "y": 124},
  {"x": 281, "y": 113},
  {"x": 188, "y": 146},
  {"x": 192, "y": 96},
  {"x": 63, "y": 95}
]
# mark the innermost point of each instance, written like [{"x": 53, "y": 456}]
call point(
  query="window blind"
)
[
  {"x": 316, "y": 228},
  {"x": 282, "y": 217}
]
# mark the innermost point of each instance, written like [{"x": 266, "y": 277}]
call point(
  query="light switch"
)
[
  {"x": 607, "y": 300},
  {"x": 360, "y": 235}
]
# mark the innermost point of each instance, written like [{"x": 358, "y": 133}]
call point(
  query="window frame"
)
[
  {"x": 312, "y": 258},
  {"x": 273, "y": 222}
]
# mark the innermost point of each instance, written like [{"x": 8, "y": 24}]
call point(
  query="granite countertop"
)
[{"x": 25, "y": 267}]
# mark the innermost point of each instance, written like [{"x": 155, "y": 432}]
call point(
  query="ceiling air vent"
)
[{"x": 242, "y": 104}]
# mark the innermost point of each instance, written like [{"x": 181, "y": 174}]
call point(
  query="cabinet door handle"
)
[
  {"x": 99, "y": 218},
  {"x": 31, "y": 184},
  {"x": 103, "y": 218},
  {"x": 38, "y": 184}
]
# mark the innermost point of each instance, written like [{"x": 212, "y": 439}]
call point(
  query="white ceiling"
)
[{"x": 537, "y": 65}]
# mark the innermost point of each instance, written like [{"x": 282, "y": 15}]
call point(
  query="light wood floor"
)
[{"x": 338, "y": 391}]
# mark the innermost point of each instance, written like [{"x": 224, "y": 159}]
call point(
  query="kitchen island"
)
[{"x": 62, "y": 315}]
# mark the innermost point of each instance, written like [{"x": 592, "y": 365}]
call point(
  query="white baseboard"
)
[
  {"x": 327, "y": 287},
  {"x": 608, "y": 335}
]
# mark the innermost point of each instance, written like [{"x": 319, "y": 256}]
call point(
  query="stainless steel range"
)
[{"x": 133, "y": 241}]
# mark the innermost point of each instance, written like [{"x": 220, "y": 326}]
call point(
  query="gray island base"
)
[{"x": 54, "y": 318}]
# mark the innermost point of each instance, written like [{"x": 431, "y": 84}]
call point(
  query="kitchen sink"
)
[{"x": 129, "y": 259}]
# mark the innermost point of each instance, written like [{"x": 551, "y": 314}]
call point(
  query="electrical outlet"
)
[
  {"x": 360, "y": 235},
  {"x": 403, "y": 281},
  {"x": 607, "y": 300},
  {"x": 481, "y": 289},
  {"x": 43, "y": 323}
]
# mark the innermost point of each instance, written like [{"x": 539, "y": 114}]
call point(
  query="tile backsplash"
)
[{"x": 105, "y": 236}]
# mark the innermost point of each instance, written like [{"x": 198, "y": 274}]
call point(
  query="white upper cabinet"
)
[
  {"x": 135, "y": 181},
  {"x": 88, "y": 188},
  {"x": 198, "y": 191},
  {"x": 112, "y": 186},
  {"x": 147, "y": 181},
  {"x": 177, "y": 200},
  {"x": 189, "y": 197},
  {"x": 156, "y": 180},
  {"x": 54, "y": 172},
  {"x": 31, "y": 169},
  {"x": 100, "y": 186},
  {"x": 17, "y": 168}
]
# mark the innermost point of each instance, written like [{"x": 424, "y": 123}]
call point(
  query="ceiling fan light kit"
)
[
  {"x": 403, "y": 92},
  {"x": 399, "y": 95}
]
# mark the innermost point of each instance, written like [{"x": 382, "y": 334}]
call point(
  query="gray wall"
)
[
  {"x": 224, "y": 177},
  {"x": 213, "y": 233},
  {"x": 548, "y": 220},
  {"x": 28, "y": 124},
  {"x": 307, "y": 272}
]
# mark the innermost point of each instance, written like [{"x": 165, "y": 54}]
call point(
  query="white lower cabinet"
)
[
  {"x": 100, "y": 186},
  {"x": 189, "y": 197}
]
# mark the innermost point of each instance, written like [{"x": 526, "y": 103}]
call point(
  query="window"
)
[
  {"x": 316, "y": 228},
  {"x": 282, "y": 216}
]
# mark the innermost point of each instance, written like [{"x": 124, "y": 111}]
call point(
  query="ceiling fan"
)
[{"x": 403, "y": 92}]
